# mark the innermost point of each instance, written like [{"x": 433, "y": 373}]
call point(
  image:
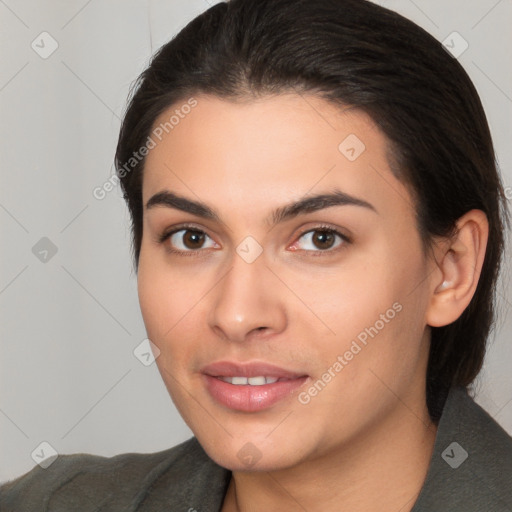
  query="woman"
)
[{"x": 318, "y": 226}]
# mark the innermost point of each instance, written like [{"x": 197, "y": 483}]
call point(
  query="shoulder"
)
[
  {"x": 123, "y": 482},
  {"x": 489, "y": 445},
  {"x": 471, "y": 467}
]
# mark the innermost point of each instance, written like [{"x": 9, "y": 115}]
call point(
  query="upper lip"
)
[{"x": 254, "y": 369}]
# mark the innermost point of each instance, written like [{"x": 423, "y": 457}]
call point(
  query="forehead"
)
[{"x": 269, "y": 149}]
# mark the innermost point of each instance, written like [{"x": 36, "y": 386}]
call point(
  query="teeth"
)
[
  {"x": 256, "y": 381},
  {"x": 252, "y": 381}
]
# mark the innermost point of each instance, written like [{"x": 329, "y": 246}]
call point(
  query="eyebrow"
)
[{"x": 306, "y": 205}]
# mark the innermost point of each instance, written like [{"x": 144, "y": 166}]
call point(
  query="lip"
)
[
  {"x": 249, "y": 398},
  {"x": 255, "y": 369}
]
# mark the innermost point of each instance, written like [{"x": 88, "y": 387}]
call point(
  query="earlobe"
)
[{"x": 460, "y": 264}]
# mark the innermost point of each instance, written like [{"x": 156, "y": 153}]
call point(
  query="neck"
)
[{"x": 383, "y": 468}]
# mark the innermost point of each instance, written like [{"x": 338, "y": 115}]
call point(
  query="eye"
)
[
  {"x": 187, "y": 240},
  {"x": 190, "y": 240},
  {"x": 320, "y": 239}
]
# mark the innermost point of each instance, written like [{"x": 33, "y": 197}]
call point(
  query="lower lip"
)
[{"x": 249, "y": 398}]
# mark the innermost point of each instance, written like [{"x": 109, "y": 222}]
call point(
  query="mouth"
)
[
  {"x": 250, "y": 387},
  {"x": 251, "y": 381}
]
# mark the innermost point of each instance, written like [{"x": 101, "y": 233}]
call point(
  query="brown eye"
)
[
  {"x": 193, "y": 239},
  {"x": 187, "y": 240},
  {"x": 320, "y": 240},
  {"x": 323, "y": 239}
]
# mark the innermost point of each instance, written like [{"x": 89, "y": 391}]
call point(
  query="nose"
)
[{"x": 247, "y": 300}]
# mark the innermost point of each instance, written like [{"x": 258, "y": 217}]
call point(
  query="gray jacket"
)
[{"x": 470, "y": 471}]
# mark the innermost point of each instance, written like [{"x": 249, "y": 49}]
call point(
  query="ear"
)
[{"x": 459, "y": 263}]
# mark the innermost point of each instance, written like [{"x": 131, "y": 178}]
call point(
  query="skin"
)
[{"x": 299, "y": 305}]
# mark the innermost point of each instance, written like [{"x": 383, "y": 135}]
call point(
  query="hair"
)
[{"x": 354, "y": 54}]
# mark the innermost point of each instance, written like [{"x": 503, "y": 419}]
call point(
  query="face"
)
[{"x": 282, "y": 278}]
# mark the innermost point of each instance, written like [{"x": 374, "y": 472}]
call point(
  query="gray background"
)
[{"x": 70, "y": 323}]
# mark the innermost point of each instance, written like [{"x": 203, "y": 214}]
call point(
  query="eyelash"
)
[{"x": 166, "y": 235}]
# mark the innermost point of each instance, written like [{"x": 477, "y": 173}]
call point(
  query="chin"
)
[
  {"x": 252, "y": 452},
  {"x": 250, "y": 458}
]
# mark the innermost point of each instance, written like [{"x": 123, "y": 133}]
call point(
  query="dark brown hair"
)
[{"x": 353, "y": 53}]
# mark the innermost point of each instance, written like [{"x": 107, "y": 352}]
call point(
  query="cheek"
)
[
  {"x": 346, "y": 299},
  {"x": 172, "y": 303},
  {"x": 372, "y": 308},
  {"x": 165, "y": 296},
  {"x": 153, "y": 300},
  {"x": 163, "y": 311}
]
